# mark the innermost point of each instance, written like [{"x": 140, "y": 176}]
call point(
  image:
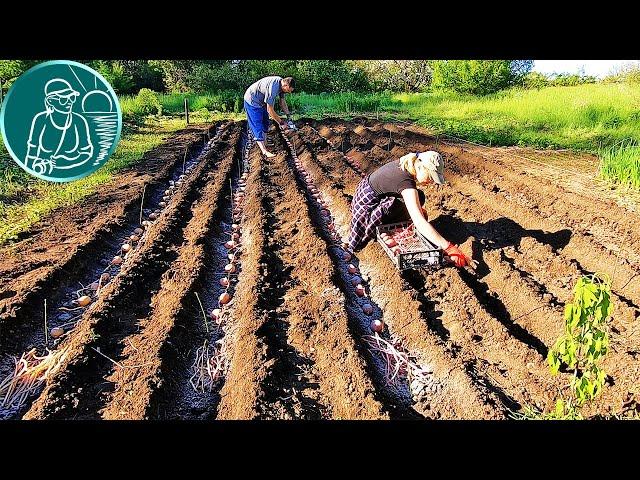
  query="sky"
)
[{"x": 596, "y": 68}]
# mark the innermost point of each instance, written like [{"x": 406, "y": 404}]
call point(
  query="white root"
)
[
  {"x": 399, "y": 363},
  {"x": 29, "y": 373},
  {"x": 209, "y": 367}
]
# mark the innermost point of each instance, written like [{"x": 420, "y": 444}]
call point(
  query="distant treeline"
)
[{"x": 478, "y": 77}]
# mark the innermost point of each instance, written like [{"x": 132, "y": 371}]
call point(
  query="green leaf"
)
[
  {"x": 562, "y": 346},
  {"x": 559, "y": 407},
  {"x": 591, "y": 388},
  {"x": 578, "y": 314},
  {"x": 588, "y": 296},
  {"x": 554, "y": 363},
  {"x": 597, "y": 316},
  {"x": 598, "y": 345},
  {"x": 568, "y": 312}
]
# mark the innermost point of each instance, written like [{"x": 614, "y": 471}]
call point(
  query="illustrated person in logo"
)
[
  {"x": 258, "y": 104},
  {"x": 59, "y": 138}
]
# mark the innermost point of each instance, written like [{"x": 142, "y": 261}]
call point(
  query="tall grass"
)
[
  {"x": 342, "y": 103},
  {"x": 601, "y": 118},
  {"x": 173, "y": 103},
  {"x": 581, "y": 117},
  {"x": 621, "y": 163}
]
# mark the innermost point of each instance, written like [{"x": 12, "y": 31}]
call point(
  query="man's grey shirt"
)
[{"x": 263, "y": 91}]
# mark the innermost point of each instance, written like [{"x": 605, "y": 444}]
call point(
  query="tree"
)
[
  {"x": 114, "y": 72},
  {"x": 397, "y": 75},
  {"x": 174, "y": 73},
  {"x": 316, "y": 76},
  {"x": 479, "y": 77},
  {"x": 12, "y": 69}
]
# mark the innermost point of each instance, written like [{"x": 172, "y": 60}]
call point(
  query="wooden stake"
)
[
  {"x": 142, "y": 202},
  {"x": 46, "y": 329},
  {"x": 204, "y": 315},
  {"x": 184, "y": 160},
  {"x": 186, "y": 109}
]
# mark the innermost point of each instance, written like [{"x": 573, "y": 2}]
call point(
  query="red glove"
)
[{"x": 456, "y": 255}]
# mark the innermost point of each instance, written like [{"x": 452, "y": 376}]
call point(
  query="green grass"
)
[
  {"x": 24, "y": 199},
  {"x": 621, "y": 163},
  {"x": 582, "y": 117},
  {"x": 342, "y": 103},
  {"x": 205, "y": 106},
  {"x": 602, "y": 118}
]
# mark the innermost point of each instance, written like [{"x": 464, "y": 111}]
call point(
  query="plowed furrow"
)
[
  {"x": 520, "y": 267},
  {"x": 32, "y": 272},
  {"x": 476, "y": 319},
  {"x": 160, "y": 331},
  {"x": 583, "y": 228},
  {"x": 587, "y": 216},
  {"x": 96, "y": 345},
  {"x": 247, "y": 365},
  {"x": 462, "y": 395},
  {"x": 289, "y": 389}
]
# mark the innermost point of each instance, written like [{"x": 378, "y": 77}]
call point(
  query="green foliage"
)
[
  {"x": 397, "y": 75},
  {"x": 581, "y": 348},
  {"x": 586, "y": 339},
  {"x": 147, "y": 102},
  {"x": 538, "y": 80},
  {"x": 143, "y": 74},
  {"x": 217, "y": 76},
  {"x": 12, "y": 69},
  {"x": 311, "y": 75},
  {"x": 564, "y": 410},
  {"x": 479, "y": 77},
  {"x": 175, "y": 73},
  {"x": 114, "y": 72},
  {"x": 566, "y": 80},
  {"x": 629, "y": 73},
  {"x": 315, "y": 76}
]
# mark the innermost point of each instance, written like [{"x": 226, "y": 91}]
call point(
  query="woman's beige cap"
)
[{"x": 435, "y": 164}]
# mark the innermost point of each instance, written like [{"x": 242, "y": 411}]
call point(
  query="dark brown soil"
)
[{"x": 295, "y": 327}]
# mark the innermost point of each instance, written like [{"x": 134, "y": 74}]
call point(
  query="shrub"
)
[{"x": 147, "y": 102}]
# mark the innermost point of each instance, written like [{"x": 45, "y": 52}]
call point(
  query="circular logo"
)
[{"x": 61, "y": 120}]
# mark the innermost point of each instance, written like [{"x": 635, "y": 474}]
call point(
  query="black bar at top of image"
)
[{"x": 371, "y": 33}]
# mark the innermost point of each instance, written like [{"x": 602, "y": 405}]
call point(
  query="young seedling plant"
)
[{"x": 582, "y": 347}]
